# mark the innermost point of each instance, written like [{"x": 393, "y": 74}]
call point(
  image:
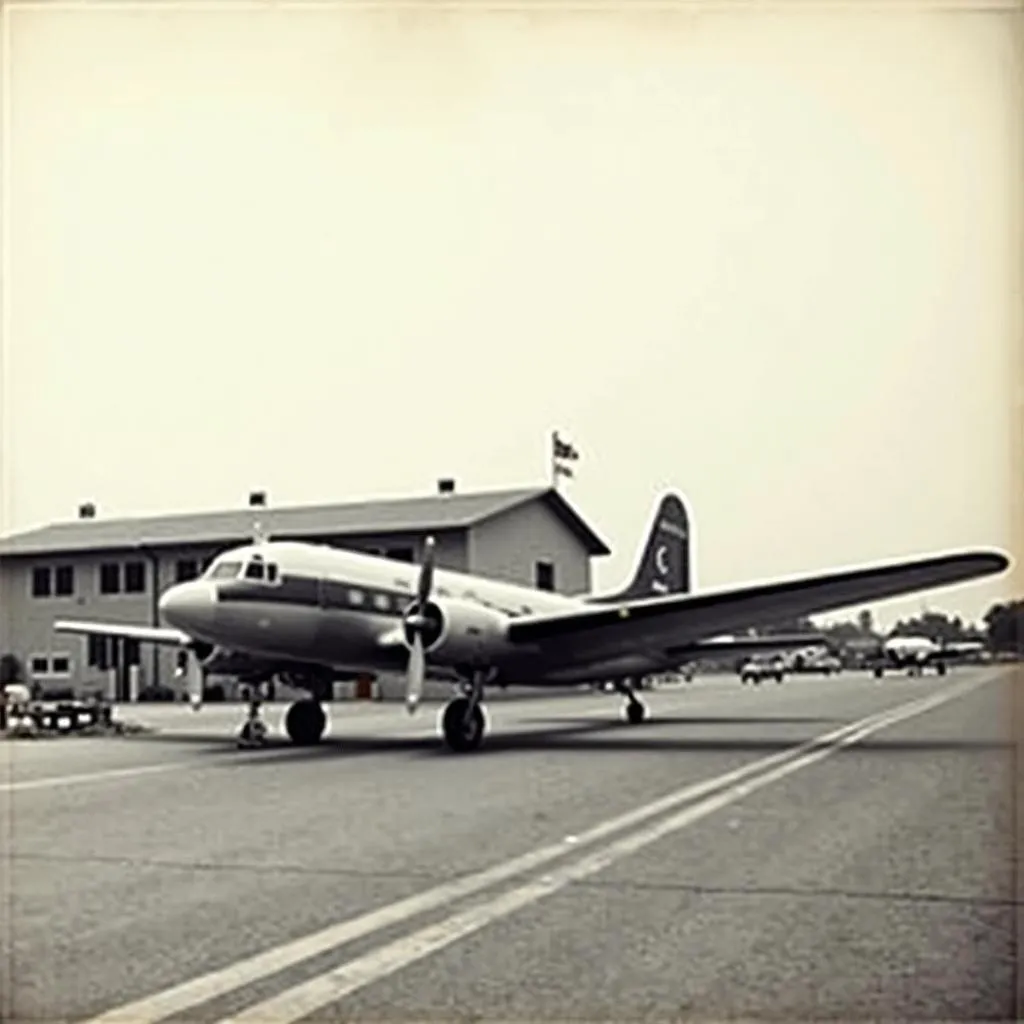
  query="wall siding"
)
[{"x": 508, "y": 547}]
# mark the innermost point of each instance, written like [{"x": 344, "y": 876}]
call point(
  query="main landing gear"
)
[
  {"x": 463, "y": 721},
  {"x": 635, "y": 709}
]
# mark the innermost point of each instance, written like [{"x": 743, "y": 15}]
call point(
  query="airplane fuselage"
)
[
  {"x": 343, "y": 609},
  {"x": 917, "y": 653}
]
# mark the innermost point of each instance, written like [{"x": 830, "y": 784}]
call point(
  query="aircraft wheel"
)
[
  {"x": 878, "y": 673},
  {"x": 305, "y": 722},
  {"x": 636, "y": 712},
  {"x": 940, "y": 668},
  {"x": 460, "y": 734}
]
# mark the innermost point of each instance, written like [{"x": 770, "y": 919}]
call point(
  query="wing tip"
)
[{"x": 987, "y": 561}]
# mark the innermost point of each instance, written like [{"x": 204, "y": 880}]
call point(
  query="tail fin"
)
[{"x": 664, "y": 566}]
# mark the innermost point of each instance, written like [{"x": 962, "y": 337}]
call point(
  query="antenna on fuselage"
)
[{"x": 258, "y": 499}]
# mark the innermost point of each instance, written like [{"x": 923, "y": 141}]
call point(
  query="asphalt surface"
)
[{"x": 871, "y": 879}]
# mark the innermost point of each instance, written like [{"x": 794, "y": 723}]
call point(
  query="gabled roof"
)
[{"x": 403, "y": 515}]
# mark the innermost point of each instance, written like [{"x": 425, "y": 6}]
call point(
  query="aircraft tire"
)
[
  {"x": 460, "y": 736},
  {"x": 305, "y": 722},
  {"x": 636, "y": 712}
]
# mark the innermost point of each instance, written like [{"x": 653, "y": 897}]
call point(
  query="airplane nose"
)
[{"x": 189, "y": 606}]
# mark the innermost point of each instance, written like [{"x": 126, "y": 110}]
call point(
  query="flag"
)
[
  {"x": 563, "y": 449},
  {"x": 561, "y": 452}
]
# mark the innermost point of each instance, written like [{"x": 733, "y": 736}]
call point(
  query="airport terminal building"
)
[{"x": 115, "y": 569}]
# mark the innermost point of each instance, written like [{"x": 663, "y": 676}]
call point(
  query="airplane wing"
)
[
  {"x": 953, "y": 651},
  {"x": 151, "y": 634},
  {"x": 678, "y": 620},
  {"x": 724, "y": 646}
]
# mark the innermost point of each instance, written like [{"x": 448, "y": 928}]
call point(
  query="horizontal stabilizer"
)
[{"x": 723, "y": 646}]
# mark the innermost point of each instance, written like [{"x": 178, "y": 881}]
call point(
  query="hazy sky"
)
[{"x": 335, "y": 253}]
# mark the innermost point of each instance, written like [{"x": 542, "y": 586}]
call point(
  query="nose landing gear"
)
[{"x": 254, "y": 730}]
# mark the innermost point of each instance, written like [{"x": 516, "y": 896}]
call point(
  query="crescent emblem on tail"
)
[{"x": 659, "y": 560}]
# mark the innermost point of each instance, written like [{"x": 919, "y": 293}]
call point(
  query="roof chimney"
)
[
  {"x": 446, "y": 486},
  {"x": 257, "y": 499},
  {"x": 87, "y": 511}
]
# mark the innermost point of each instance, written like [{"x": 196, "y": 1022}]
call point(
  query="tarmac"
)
[{"x": 823, "y": 848}]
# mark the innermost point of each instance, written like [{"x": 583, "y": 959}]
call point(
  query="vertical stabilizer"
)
[{"x": 664, "y": 565}]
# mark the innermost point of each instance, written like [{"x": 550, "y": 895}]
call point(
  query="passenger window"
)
[
  {"x": 355, "y": 596},
  {"x": 382, "y": 602}
]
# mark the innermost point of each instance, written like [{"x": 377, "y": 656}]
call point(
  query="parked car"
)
[{"x": 755, "y": 669}]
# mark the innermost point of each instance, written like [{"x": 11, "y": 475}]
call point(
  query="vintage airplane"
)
[
  {"x": 916, "y": 653},
  {"x": 311, "y": 613}
]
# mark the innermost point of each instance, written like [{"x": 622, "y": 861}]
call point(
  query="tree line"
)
[{"x": 1001, "y": 628}]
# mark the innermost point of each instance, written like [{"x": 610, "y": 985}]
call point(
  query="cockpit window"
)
[
  {"x": 255, "y": 569},
  {"x": 224, "y": 570}
]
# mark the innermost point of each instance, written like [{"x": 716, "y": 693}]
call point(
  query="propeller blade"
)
[
  {"x": 426, "y": 580},
  {"x": 417, "y": 668},
  {"x": 194, "y": 679}
]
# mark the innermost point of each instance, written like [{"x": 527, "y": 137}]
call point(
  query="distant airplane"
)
[
  {"x": 310, "y": 614},
  {"x": 915, "y": 653}
]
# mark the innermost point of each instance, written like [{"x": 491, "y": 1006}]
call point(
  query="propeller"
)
[{"x": 420, "y": 618}]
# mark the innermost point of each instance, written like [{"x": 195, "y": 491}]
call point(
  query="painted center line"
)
[{"x": 185, "y": 996}]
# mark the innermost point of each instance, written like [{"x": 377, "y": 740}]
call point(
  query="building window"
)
[
  {"x": 64, "y": 578},
  {"x": 186, "y": 569},
  {"x": 40, "y": 665},
  {"x": 110, "y": 578},
  {"x": 41, "y": 582},
  {"x": 135, "y": 577},
  {"x": 132, "y": 651},
  {"x": 61, "y": 665},
  {"x": 95, "y": 654},
  {"x": 545, "y": 576}
]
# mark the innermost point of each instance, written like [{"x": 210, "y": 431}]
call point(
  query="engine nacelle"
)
[{"x": 462, "y": 632}]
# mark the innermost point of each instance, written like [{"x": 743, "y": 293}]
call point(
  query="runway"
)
[{"x": 823, "y": 848}]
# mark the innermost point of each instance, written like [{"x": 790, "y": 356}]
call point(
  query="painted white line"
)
[
  {"x": 189, "y": 994},
  {"x": 53, "y": 782},
  {"x": 313, "y": 995},
  {"x": 229, "y": 758}
]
